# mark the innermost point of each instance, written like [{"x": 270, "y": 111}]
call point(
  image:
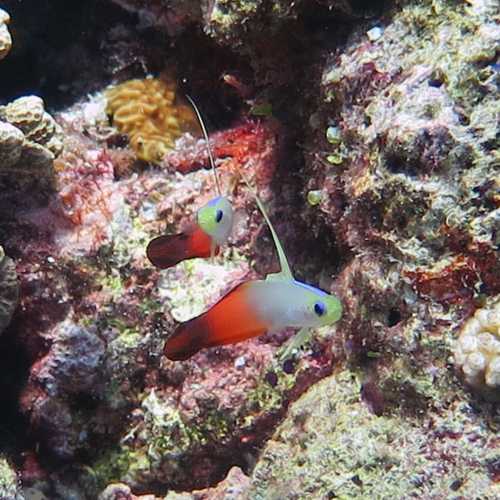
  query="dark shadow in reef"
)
[
  {"x": 62, "y": 53},
  {"x": 14, "y": 369}
]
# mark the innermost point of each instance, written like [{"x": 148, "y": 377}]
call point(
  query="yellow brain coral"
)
[
  {"x": 477, "y": 350},
  {"x": 149, "y": 112}
]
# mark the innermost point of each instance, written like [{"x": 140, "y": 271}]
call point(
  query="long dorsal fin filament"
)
[
  {"x": 286, "y": 272},
  {"x": 205, "y": 134}
]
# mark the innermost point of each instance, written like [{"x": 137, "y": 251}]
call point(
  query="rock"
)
[
  {"x": 9, "y": 289},
  {"x": 331, "y": 446}
]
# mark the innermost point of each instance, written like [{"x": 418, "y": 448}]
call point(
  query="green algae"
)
[
  {"x": 331, "y": 446},
  {"x": 9, "y": 484},
  {"x": 112, "y": 465}
]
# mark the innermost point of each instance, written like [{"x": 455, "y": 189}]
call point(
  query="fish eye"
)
[
  {"x": 319, "y": 308},
  {"x": 218, "y": 215}
]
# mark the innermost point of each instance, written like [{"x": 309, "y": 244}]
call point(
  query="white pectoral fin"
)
[
  {"x": 295, "y": 343},
  {"x": 213, "y": 246}
]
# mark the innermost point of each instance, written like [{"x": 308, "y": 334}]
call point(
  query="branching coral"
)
[
  {"x": 477, "y": 350},
  {"x": 149, "y": 112}
]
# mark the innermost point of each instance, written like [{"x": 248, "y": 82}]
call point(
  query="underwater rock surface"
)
[
  {"x": 9, "y": 287},
  {"x": 381, "y": 171}
]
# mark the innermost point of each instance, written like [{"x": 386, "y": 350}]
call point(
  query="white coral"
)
[{"x": 477, "y": 349}]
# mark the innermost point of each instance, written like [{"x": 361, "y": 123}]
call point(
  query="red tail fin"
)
[
  {"x": 168, "y": 250},
  {"x": 229, "y": 321}
]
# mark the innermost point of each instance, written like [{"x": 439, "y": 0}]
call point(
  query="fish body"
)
[
  {"x": 170, "y": 249},
  {"x": 214, "y": 222},
  {"x": 251, "y": 309},
  {"x": 201, "y": 239}
]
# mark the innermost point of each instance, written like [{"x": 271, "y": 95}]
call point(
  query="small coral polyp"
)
[
  {"x": 477, "y": 350},
  {"x": 148, "y": 111}
]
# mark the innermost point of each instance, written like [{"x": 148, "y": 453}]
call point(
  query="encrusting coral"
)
[
  {"x": 477, "y": 349},
  {"x": 5, "y": 38},
  {"x": 30, "y": 138},
  {"x": 29, "y": 116},
  {"x": 150, "y": 113}
]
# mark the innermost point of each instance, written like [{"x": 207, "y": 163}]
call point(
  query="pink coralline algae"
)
[{"x": 79, "y": 217}]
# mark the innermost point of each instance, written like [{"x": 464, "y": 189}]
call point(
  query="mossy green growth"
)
[
  {"x": 333, "y": 135},
  {"x": 331, "y": 446},
  {"x": 8, "y": 482},
  {"x": 112, "y": 284},
  {"x": 335, "y": 159},
  {"x": 114, "y": 464},
  {"x": 226, "y": 14},
  {"x": 269, "y": 398}
]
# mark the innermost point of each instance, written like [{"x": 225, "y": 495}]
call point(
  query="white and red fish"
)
[
  {"x": 256, "y": 307},
  {"x": 204, "y": 237}
]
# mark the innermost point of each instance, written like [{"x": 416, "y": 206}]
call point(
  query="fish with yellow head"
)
[
  {"x": 204, "y": 237},
  {"x": 256, "y": 307}
]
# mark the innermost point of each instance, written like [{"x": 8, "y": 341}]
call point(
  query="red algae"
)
[{"x": 254, "y": 140}]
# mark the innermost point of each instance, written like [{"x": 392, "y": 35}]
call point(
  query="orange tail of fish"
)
[
  {"x": 168, "y": 250},
  {"x": 229, "y": 321}
]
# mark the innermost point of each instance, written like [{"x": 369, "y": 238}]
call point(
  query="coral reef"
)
[
  {"x": 405, "y": 180},
  {"x": 9, "y": 289},
  {"x": 95, "y": 314},
  {"x": 379, "y": 166},
  {"x": 477, "y": 349},
  {"x": 411, "y": 155},
  {"x": 5, "y": 38},
  {"x": 150, "y": 113}
]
